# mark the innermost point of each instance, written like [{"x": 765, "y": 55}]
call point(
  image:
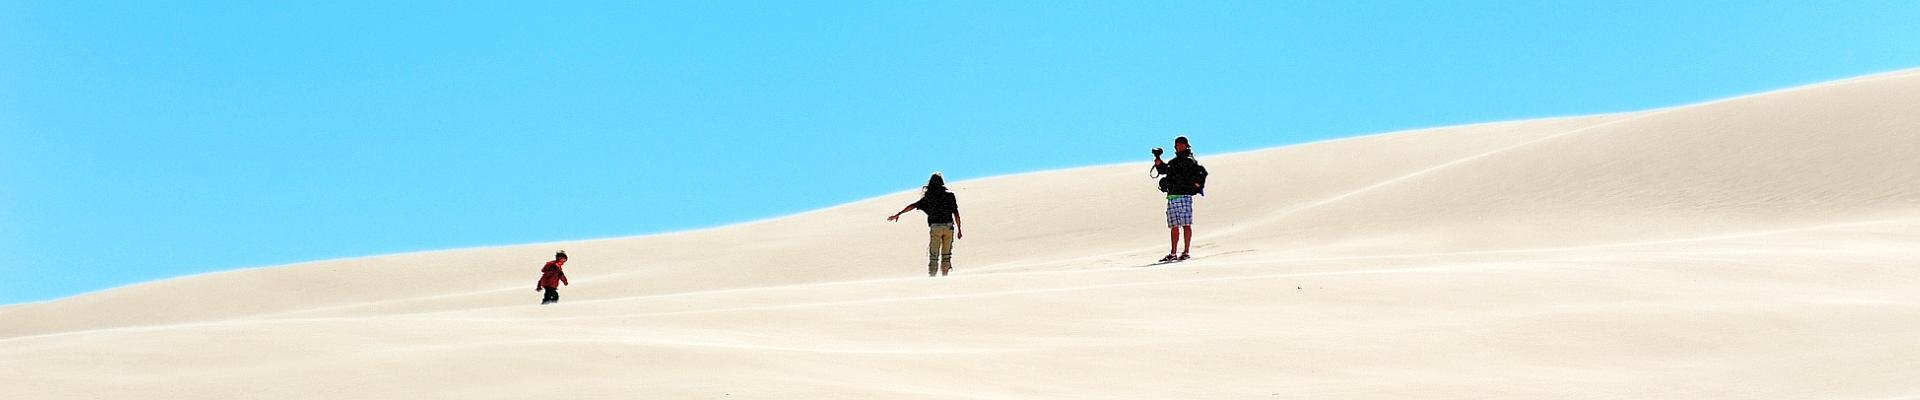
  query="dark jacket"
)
[
  {"x": 1182, "y": 176},
  {"x": 939, "y": 204}
]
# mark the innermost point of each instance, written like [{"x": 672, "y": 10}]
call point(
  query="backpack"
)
[{"x": 1200, "y": 177}]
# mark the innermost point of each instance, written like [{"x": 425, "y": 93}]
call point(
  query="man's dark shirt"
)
[{"x": 1182, "y": 171}]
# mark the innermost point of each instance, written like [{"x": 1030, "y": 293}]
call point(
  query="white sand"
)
[{"x": 1766, "y": 246}]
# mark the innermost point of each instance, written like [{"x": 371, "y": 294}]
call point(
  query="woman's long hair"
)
[{"x": 935, "y": 184}]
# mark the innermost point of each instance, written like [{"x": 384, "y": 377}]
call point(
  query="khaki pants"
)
[{"x": 939, "y": 248}]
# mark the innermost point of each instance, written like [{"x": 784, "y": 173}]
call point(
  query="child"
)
[{"x": 551, "y": 277}]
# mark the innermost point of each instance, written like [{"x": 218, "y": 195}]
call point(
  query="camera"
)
[{"x": 1157, "y": 151}]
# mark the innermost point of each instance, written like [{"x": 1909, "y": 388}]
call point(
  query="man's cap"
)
[{"x": 1181, "y": 140}]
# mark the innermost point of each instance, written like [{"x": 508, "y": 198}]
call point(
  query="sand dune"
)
[{"x": 1764, "y": 246}]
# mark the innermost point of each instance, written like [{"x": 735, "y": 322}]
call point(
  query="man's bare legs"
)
[
  {"x": 1189, "y": 241},
  {"x": 1173, "y": 240}
]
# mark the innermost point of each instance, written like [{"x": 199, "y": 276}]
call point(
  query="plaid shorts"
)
[{"x": 1179, "y": 211}]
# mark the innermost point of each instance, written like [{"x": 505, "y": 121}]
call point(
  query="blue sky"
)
[{"x": 145, "y": 140}]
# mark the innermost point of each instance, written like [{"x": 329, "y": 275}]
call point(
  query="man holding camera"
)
[{"x": 1181, "y": 179}]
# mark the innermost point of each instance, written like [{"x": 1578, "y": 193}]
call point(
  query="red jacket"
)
[{"x": 551, "y": 275}]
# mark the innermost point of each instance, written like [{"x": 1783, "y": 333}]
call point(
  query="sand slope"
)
[{"x": 1766, "y": 246}]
